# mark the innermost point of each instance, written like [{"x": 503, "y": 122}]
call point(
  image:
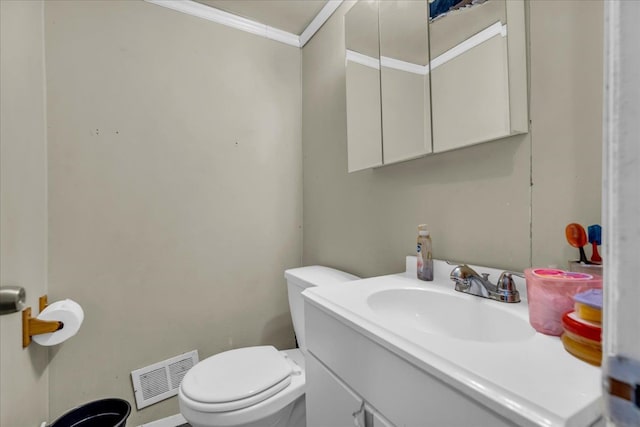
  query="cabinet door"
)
[
  {"x": 478, "y": 72},
  {"x": 364, "y": 122},
  {"x": 404, "y": 84},
  {"x": 329, "y": 402},
  {"x": 471, "y": 96}
]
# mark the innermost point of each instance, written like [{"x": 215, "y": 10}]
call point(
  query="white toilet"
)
[{"x": 256, "y": 386}]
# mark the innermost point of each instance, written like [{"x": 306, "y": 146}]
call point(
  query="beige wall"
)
[
  {"x": 175, "y": 190},
  {"x": 566, "y": 109},
  {"x": 175, "y": 184},
  {"x": 23, "y": 207},
  {"x": 478, "y": 201}
]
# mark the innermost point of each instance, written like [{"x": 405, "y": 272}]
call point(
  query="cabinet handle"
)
[
  {"x": 367, "y": 418},
  {"x": 356, "y": 416}
]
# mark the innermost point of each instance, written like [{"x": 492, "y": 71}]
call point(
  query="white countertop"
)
[{"x": 532, "y": 381}]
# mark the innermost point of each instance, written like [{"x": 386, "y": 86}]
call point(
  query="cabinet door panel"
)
[
  {"x": 364, "y": 134},
  {"x": 364, "y": 117},
  {"x": 471, "y": 97},
  {"x": 406, "y": 121},
  {"x": 478, "y": 72},
  {"x": 329, "y": 402},
  {"x": 404, "y": 77}
]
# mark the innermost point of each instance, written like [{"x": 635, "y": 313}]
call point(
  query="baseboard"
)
[{"x": 172, "y": 421}]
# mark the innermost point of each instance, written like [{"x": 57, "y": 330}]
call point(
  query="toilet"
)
[{"x": 256, "y": 386}]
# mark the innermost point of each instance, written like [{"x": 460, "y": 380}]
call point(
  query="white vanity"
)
[{"x": 396, "y": 351}]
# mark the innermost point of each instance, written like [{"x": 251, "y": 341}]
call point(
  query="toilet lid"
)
[{"x": 251, "y": 373}]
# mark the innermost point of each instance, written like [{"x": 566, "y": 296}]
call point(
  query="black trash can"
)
[{"x": 99, "y": 413}]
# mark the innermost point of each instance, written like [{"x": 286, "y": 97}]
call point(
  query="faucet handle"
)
[{"x": 507, "y": 287}]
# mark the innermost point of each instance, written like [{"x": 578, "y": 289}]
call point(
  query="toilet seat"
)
[{"x": 237, "y": 379}]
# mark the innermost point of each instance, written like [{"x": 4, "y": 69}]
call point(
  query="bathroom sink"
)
[
  {"x": 457, "y": 316},
  {"x": 484, "y": 349}
]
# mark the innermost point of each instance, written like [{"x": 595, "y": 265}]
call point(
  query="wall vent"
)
[{"x": 161, "y": 380}]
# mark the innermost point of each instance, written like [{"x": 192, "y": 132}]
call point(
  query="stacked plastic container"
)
[
  {"x": 582, "y": 334},
  {"x": 550, "y": 294}
]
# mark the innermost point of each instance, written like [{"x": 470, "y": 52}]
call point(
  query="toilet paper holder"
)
[{"x": 33, "y": 326}]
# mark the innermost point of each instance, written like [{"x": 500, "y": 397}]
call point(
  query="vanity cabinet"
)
[
  {"x": 350, "y": 373},
  {"x": 334, "y": 403}
]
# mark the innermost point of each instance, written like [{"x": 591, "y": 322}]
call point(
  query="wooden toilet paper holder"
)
[{"x": 33, "y": 326}]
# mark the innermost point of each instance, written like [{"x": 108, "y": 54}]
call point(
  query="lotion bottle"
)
[{"x": 423, "y": 250}]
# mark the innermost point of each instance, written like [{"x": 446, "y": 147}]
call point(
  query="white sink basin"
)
[{"x": 456, "y": 316}]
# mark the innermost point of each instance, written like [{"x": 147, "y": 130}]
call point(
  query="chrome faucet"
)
[{"x": 470, "y": 282}]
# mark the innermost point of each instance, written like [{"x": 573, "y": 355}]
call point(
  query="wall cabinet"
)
[{"x": 423, "y": 78}]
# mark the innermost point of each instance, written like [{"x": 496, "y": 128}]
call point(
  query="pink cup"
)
[{"x": 550, "y": 292}]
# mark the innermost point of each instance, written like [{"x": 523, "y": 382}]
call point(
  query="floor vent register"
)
[{"x": 161, "y": 380}]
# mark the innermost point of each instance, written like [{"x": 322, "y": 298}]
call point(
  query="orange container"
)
[
  {"x": 584, "y": 352},
  {"x": 582, "y": 338},
  {"x": 550, "y": 292}
]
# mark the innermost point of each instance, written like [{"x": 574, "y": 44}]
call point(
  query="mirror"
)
[
  {"x": 478, "y": 71},
  {"x": 431, "y": 76},
  {"x": 404, "y": 77},
  {"x": 364, "y": 126}
]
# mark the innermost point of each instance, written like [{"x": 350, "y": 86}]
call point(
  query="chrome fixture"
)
[{"x": 470, "y": 282}]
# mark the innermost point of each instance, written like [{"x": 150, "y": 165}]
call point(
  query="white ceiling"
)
[{"x": 292, "y": 16}]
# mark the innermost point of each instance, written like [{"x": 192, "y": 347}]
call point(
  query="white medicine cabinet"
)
[{"x": 423, "y": 77}]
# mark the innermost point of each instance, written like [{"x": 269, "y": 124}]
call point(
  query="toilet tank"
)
[{"x": 299, "y": 279}]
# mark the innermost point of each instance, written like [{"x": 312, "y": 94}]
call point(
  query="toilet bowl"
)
[
  {"x": 256, "y": 386},
  {"x": 251, "y": 386}
]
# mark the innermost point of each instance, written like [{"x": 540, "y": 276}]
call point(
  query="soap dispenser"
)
[{"x": 425, "y": 259}]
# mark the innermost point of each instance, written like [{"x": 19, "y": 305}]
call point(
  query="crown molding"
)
[
  {"x": 322, "y": 17},
  {"x": 247, "y": 25},
  {"x": 228, "y": 19}
]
